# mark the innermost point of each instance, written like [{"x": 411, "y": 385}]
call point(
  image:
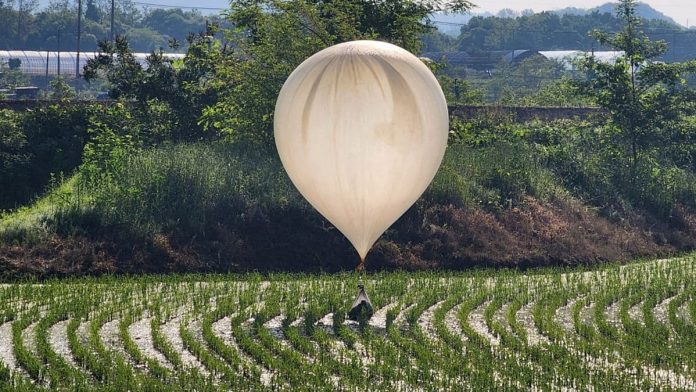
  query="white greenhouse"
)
[{"x": 42, "y": 63}]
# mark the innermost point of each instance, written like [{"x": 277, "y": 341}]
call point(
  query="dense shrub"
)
[
  {"x": 592, "y": 168},
  {"x": 496, "y": 175},
  {"x": 37, "y": 145},
  {"x": 14, "y": 158}
]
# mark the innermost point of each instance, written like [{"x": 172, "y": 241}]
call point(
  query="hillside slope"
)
[{"x": 224, "y": 207}]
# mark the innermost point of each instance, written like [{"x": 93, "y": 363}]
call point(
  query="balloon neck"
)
[
  {"x": 360, "y": 269},
  {"x": 361, "y": 266}
]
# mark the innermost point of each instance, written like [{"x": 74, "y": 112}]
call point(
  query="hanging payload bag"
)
[{"x": 362, "y": 307}]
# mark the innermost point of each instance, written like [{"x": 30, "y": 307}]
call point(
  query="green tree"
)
[
  {"x": 174, "y": 23},
  {"x": 274, "y": 36},
  {"x": 13, "y": 156},
  {"x": 92, "y": 12},
  {"x": 648, "y": 100},
  {"x": 10, "y": 78},
  {"x": 168, "y": 95},
  {"x": 514, "y": 80},
  {"x": 60, "y": 89}
]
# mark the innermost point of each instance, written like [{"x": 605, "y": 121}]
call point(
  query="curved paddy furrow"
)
[
  {"x": 684, "y": 314},
  {"x": 396, "y": 353},
  {"x": 400, "y": 319},
  {"x": 636, "y": 313},
  {"x": 481, "y": 349},
  {"x": 500, "y": 317},
  {"x": 222, "y": 328},
  {"x": 477, "y": 320},
  {"x": 418, "y": 337},
  {"x": 275, "y": 327},
  {"x": 574, "y": 326},
  {"x": 140, "y": 332},
  {"x": 452, "y": 343},
  {"x": 585, "y": 329},
  {"x": 319, "y": 349},
  {"x": 453, "y": 326},
  {"x": 379, "y": 320},
  {"x": 428, "y": 333},
  {"x": 58, "y": 340},
  {"x": 563, "y": 316},
  {"x": 272, "y": 353},
  {"x": 512, "y": 320},
  {"x": 661, "y": 310},
  {"x": 170, "y": 331},
  {"x": 464, "y": 345},
  {"x": 583, "y": 319},
  {"x": 568, "y": 325},
  {"x": 7, "y": 356},
  {"x": 229, "y": 346},
  {"x": 205, "y": 339},
  {"x": 111, "y": 339},
  {"x": 612, "y": 315},
  {"x": 29, "y": 338},
  {"x": 191, "y": 337},
  {"x": 525, "y": 319},
  {"x": 25, "y": 349},
  {"x": 425, "y": 321}
]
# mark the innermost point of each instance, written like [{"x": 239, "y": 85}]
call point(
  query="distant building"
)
[
  {"x": 42, "y": 63},
  {"x": 568, "y": 57},
  {"x": 488, "y": 60},
  {"x": 481, "y": 61},
  {"x": 27, "y": 92}
]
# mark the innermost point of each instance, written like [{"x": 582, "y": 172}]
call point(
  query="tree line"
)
[
  {"x": 551, "y": 31},
  {"x": 55, "y": 27}
]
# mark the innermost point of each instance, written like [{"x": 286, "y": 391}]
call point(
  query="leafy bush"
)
[
  {"x": 38, "y": 145},
  {"x": 496, "y": 176},
  {"x": 13, "y": 155}
]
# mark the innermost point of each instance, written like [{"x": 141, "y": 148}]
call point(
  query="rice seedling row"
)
[{"x": 617, "y": 327}]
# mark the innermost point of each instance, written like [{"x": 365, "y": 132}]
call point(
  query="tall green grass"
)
[
  {"x": 497, "y": 175},
  {"x": 182, "y": 187}
]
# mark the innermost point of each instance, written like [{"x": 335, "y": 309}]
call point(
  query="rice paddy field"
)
[{"x": 619, "y": 328}]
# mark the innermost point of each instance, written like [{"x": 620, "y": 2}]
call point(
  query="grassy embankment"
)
[{"x": 525, "y": 195}]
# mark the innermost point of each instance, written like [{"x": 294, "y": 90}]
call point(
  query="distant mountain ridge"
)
[
  {"x": 643, "y": 10},
  {"x": 451, "y": 23}
]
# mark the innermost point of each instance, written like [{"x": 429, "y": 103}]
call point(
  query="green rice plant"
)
[{"x": 433, "y": 340}]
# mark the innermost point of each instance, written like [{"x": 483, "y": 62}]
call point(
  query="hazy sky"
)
[{"x": 679, "y": 10}]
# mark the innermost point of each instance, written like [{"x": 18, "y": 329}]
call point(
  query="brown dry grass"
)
[{"x": 533, "y": 233}]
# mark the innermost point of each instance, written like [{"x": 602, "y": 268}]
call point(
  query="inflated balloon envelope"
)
[{"x": 361, "y": 129}]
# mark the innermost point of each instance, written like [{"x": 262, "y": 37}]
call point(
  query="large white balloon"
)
[{"x": 361, "y": 128}]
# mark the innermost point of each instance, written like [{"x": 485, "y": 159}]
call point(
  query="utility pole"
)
[
  {"x": 79, "y": 31},
  {"x": 47, "y": 58},
  {"x": 59, "y": 34},
  {"x": 19, "y": 20},
  {"x": 111, "y": 35}
]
